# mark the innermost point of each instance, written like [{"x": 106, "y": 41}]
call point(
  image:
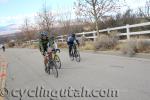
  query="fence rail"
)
[{"x": 93, "y": 34}]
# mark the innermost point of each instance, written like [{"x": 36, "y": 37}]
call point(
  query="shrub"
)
[
  {"x": 11, "y": 44},
  {"x": 129, "y": 48},
  {"x": 135, "y": 46},
  {"x": 143, "y": 46},
  {"x": 82, "y": 41},
  {"x": 105, "y": 42}
]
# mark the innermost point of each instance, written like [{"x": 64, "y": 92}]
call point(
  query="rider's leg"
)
[
  {"x": 50, "y": 53},
  {"x": 45, "y": 63},
  {"x": 70, "y": 48},
  {"x": 45, "y": 60}
]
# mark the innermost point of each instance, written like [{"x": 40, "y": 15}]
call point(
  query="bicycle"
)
[
  {"x": 75, "y": 53},
  {"x": 54, "y": 63}
]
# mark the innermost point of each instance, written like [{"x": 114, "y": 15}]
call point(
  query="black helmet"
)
[
  {"x": 73, "y": 35},
  {"x": 44, "y": 34}
]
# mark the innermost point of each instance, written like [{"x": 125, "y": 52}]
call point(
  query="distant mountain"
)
[
  {"x": 7, "y": 37},
  {"x": 9, "y": 29}
]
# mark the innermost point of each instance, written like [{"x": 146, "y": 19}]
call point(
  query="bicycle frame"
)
[
  {"x": 74, "y": 49},
  {"x": 50, "y": 56}
]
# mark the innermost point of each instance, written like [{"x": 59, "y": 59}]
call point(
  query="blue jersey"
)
[{"x": 71, "y": 40}]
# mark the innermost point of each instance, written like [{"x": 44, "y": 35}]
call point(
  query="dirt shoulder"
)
[{"x": 3, "y": 75}]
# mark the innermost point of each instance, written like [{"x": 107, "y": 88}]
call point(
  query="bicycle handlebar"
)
[{"x": 56, "y": 50}]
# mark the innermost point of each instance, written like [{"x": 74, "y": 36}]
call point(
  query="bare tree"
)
[
  {"x": 145, "y": 11},
  {"x": 45, "y": 19},
  {"x": 65, "y": 22},
  {"x": 28, "y": 31},
  {"x": 20, "y": 36},
  {"x": 95, "y": 9}
]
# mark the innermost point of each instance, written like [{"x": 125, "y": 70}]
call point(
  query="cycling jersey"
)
[
  {"x": 72, "y": 40},
  {"x": 48, "y": 43},
  {"x": 43, "y": 45}
]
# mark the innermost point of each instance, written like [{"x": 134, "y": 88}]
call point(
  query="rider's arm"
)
[
  {"x": 67, "y": 40},
  {"x": 40, "y": 46},
  {"x": 55, "y": 45},
  {"x": 78, "y": 42}
]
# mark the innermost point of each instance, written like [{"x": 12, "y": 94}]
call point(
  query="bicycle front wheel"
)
[
  {"x": 54, "y": 70},
  {"x": 58, "y": 61},
  {"x": 72, "y": 55},
  {"x": 48, "y": 67}
]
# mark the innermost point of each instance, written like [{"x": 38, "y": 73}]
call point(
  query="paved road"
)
[{"x": 118, "y": 78}]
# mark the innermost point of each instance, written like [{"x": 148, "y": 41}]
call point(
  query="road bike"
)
[
  {"x": 54, "y": 63},
  {"x": 75, "y": 53}
]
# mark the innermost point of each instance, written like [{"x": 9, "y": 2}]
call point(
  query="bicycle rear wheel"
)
[
  {"x": 77, "y": 56},
  {"x": 72, "y": 55},
  {"x": 48, "y": 67},
  {"x": 58, "y": 61}
]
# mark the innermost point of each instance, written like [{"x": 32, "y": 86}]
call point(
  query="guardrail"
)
[{"x": 93, "y": 34}]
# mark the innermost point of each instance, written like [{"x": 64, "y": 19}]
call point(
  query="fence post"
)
[
  {"x": 62, "y": 38},
  {"x": 83, "y": 34},
  {"x": 128, "y": 31},
  {"x": 94, "y": 36},
  {"x": 108, "y": 31}
]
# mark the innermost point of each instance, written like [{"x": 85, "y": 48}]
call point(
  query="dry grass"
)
[
  {"x": 33, "y": 46},
  {"x": 88, "y": 46},
  {"x": 62, "y": 45}
]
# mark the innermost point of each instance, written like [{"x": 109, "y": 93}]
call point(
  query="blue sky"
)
[
  {"x": 15, "y": 7},
  {"x": 14, "y": 11},
  {"x": 11, "y": 10}
]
